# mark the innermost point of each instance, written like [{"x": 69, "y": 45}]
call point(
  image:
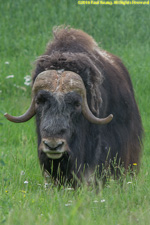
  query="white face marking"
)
[
  {"x": 71, "y": 82},
  {"x": 60, "y": 71}
]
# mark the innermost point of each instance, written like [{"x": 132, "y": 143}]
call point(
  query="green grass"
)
[{"x": 26, "y": 27}]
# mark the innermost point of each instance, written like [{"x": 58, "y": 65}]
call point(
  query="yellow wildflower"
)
[{"x": 23, "y": 191}]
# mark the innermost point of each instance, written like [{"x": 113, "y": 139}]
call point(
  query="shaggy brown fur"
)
[{"x": 109, "y": 90}]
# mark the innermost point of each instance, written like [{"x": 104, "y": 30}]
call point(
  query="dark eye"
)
[
  {"x": 77, "y": 104},
  {"x": 40, "y": 100},
  {"x": 37, "y": 102}
]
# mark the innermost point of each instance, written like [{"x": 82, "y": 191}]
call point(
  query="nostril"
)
[
  {"x": 53, "y": 145},
  {"x": 59, "y": 145},
  {"x": 46, "y": 143}
]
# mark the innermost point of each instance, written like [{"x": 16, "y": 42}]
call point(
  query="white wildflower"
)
[
  {"x": 46, "y": 185},
  {"x": 26, "y": 182},
  {"x": 70, "y": 189},
  {"x": 27, "y": 83},
  {"x": 27, "y": 80},
  {"x": 68, "y": 204},
  {"x": 27, "y": 77},
  {"x": 10, "y": 76},
  {"x": 6, "y": 63},
  {"x": 129, "y": 182},
  {"x": 95, "y": 201},
  {"x": 103, "y": 200}
]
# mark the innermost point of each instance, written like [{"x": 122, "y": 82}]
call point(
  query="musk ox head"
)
[{"x": 58, "y": 101}]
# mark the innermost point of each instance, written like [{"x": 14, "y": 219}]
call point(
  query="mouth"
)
[{"x": 54, "y": 155}]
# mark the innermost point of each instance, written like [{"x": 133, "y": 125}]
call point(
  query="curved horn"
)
[
  {"x": 90, "y": 117},
  {"x": 44, "y": 81},
  {"x": 23, "y": 118},
  {"x": 72, "y": 81}
]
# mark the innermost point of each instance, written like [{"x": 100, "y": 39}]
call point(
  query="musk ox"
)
[{"x": 87, "y": 118}]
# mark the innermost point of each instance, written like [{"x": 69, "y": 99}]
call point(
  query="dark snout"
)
[{"x": 54, "y": 148}]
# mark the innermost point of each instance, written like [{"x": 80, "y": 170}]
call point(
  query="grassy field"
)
[{"x": 26, "y": 27}]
